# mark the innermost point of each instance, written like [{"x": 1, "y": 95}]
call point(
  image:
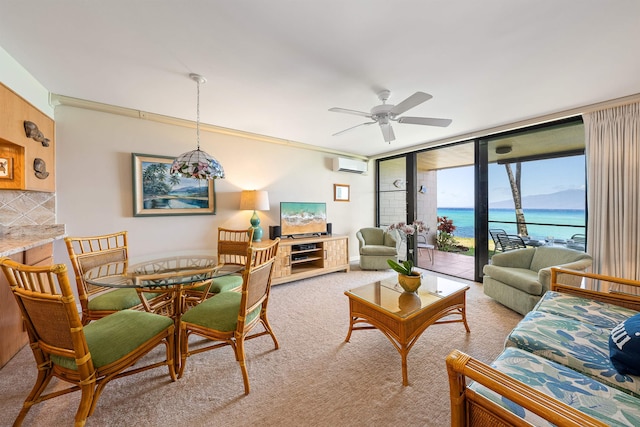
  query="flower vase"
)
[{"x": 410, "y": 283}]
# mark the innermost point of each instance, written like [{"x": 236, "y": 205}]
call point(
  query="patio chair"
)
[
  {"x": 422, "y": 245},
  {"x": 229, "y": 317},
  {"x": 578, "y": 242},
  {"x": 88, "y": 356},
  {"x": 504, "y": 242}
]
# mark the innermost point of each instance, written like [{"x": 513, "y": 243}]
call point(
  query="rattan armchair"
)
[
  {"x": 88, "y": 252},
  {"x": 229, "y": 317},
  {"x": 88, "y": 356}
]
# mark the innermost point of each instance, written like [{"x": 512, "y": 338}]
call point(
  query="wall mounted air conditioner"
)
[{"x": 341, "y": 164}]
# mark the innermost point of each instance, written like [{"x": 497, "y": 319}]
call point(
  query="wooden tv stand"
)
[{"x": 309, "y": 257}]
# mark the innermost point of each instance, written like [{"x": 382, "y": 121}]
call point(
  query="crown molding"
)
[{"x": 56, "y": 100}]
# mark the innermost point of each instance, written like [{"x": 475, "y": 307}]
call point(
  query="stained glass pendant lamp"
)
[{"x": 197, "y": 164}]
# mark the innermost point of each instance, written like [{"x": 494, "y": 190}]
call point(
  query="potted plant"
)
[{"x": 408, "y": 278}]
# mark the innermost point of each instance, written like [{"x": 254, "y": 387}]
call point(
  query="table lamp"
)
[{"x": 256, "y": 201}]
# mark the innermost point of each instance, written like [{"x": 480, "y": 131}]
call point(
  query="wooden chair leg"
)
[
  {"x": 42, "y": 381},
  {"x": 184, "y": 349},
  {"x": 267, "y": 326},
  {"x": 240, "y": 355},
  {"x": 86, "y": 403}
]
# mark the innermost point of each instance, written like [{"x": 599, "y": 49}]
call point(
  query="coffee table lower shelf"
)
[{"x": 404, "y": 328}]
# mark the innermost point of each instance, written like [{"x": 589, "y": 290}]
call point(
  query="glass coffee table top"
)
[{"x": 389, "y": 296}]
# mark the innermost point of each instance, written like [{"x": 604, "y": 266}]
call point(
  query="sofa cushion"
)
[
  {"x": 624, "y": 346},
  {"x": 378, "y": 250},
  {"x": 596, "y": 313},
  {"x": 547, "y": 256},
  {"x": 577, "y": 345},
  {"x": 604, "y": 403},
  {"x": 373, "y": 236},
  {"x": 520, "y": 258},
  {"x": 519, "y": 278}
]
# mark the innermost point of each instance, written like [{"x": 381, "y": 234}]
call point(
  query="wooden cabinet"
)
[
  {"x": 19, "y": 154},
  {"x": 13, "y": 335},
  {"x": 302, "y": 258}
]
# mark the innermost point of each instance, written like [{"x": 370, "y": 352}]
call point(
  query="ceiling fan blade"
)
[
  {"x": 387, "y": 132},
  {"x": 412, "y": 101},
  {"x": 344, "y": 110},
  {"x": 429, "y": 121},
  {"x": 352, "y": 127}
]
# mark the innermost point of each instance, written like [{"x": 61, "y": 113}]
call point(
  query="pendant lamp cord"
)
[{"x": 198, "y": 116}]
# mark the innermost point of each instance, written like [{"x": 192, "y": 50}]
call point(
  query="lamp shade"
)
[
  {"x": 253, "y": 200},
  {"x": 197, "y": 164}
]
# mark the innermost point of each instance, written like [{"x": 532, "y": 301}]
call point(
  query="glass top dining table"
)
[
  {"x": 159, "y": 272},
  {"x": 162, "y": 283}
]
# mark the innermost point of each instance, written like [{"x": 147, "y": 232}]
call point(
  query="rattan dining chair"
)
[
  {"x": 88, "y": 252},
  {"x": 230, "y": 316},
  {"x": 232, "y": 250},
  {"x": 88, "y": 356}
]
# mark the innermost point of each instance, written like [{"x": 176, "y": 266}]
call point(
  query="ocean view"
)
[{"x": 464, "y": 222}]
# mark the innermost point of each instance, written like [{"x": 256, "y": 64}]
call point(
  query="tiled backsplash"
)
[{"x": 27, "y": 208}]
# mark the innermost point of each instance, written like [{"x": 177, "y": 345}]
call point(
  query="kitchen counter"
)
[{"x": 14, "y": 239}]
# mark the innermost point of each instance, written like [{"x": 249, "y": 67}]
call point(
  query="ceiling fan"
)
[{"x": 384, "y": 114}]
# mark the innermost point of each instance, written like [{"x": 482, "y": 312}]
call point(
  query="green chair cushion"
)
[
  {"x": 222, "y": 284},
  {"x": 114, "y": 336},
  {"x": 219, "y": 313},
  {"x": 225, "y": 283},
  {"x": 117, "y": 299}
]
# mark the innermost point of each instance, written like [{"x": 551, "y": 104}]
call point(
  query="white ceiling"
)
[{"x": 275, "y": 67}]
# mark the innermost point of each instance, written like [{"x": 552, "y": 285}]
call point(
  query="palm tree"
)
[
  {"x": 154, "y": 180},
  {"x": 514, "y": 181}
]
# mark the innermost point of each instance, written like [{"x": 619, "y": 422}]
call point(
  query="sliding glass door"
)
[{"x": 529, "y": 182}]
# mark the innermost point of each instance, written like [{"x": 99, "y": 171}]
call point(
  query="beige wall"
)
[{"x": 94, "y": 182}]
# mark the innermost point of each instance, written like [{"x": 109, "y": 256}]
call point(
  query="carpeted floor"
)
[{"x": 314, "y": 379}]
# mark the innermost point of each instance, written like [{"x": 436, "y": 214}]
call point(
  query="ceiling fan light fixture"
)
[
  {"x": 196, "y": 163},
  {"x": 384, "y": 113}
]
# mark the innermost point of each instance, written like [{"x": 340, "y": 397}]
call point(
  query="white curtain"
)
[{"x": 613, "y": 182}]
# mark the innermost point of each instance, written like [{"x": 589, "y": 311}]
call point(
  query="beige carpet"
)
[{"x": 314, "y": 379}]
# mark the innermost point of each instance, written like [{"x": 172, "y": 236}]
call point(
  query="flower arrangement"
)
[
  {"x": 409, "y": 229},
  {"x": 445, "y": 239}
]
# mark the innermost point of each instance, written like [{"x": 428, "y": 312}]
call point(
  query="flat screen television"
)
[{"x": 302, "y": 218}]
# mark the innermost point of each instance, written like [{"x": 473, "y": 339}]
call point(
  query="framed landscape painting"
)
[{"x": 158, "y": 193}]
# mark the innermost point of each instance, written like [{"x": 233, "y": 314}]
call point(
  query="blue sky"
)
[{"x": 456, "y": 189}]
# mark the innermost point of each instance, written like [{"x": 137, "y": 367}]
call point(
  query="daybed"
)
[
  {"x": 556, "y": 368},
  {"x": 518, "y": 278}
]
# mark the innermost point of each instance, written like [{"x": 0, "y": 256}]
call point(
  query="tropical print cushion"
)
[
  {"x": 606, "y": 404},
  {"x": 577, "y": 345},
  {"x": 597, "y": 313}
]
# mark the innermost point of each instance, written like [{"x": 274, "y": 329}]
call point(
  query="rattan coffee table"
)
[{"x": 403, "y": 317}]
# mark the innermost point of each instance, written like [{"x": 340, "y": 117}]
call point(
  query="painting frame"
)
[
  {"x": 341, "y": 193},
  {"x": 6, "y": 167},
  {"x": 159, "y": 201}
]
